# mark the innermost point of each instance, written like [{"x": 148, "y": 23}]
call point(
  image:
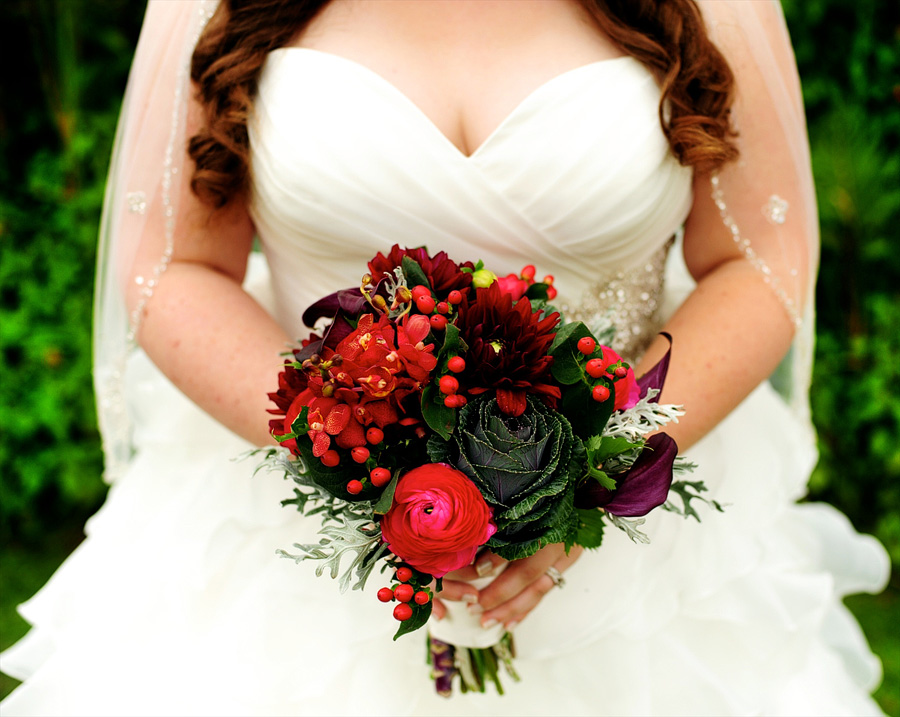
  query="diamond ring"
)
[{"x": 555, "y": 576}]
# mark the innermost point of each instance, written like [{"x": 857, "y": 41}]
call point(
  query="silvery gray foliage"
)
[
  {"x": 644, "y": 417},
  {"x": 348, "y": 527},
  {"x": 631, "y": 527},
  {"x": 349, "y": 536}
]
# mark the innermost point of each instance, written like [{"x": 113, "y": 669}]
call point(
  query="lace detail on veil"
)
[
  {"x": 775, "y": 211},
  {"x": 171, "y": 167}
]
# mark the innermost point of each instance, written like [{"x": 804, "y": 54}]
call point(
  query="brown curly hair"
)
[{"x": 668, "y": 36}]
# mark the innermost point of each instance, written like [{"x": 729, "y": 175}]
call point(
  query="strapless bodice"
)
[{"x": 578, "y": 180}]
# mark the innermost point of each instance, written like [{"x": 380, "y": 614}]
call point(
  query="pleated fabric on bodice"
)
[{"x": 577, "y": 180}]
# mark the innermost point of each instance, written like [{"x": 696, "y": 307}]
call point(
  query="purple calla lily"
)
[
  {"x": 349, "y": 301},
  {"x": 336, "y": 332},
  {"x": 656, "y": 376},
  {"x": 644, "y": 487}
]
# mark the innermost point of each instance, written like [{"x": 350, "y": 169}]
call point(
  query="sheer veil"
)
[
  {"x": 764, "y": 203},
  {"x": 145, "y": 189}
]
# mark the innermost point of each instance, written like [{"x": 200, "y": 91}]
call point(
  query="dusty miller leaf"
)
[
  {"x": 631, "y": 527},
  {"x": 359, "y": 536}
]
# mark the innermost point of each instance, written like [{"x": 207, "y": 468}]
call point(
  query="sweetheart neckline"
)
[{"x": 528, "y": 100}]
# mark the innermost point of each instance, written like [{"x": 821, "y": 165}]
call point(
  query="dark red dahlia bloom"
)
[
  {"x": 444, "y": 274},
  {"x": 508, "y": 346}
]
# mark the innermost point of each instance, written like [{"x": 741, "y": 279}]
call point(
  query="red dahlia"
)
[
  {"x": 508, "y": 346},
  {"x": 443, "y": 274}
]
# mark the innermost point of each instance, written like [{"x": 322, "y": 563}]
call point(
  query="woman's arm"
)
[{"x": 203, "y": 331}]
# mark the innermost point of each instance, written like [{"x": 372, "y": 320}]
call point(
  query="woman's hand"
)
[{"x": 515, "y": 593}]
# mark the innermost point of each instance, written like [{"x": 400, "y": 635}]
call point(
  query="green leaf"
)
[
  {"x": 588, "y": 417},
  {"x": 537, "y": 290},
  {"x": 420, "y": 616},
  {"x": 590, "y": 528},
  {"x": 607, "y": 447},
  {"x": 573, "y": 331},
  {"x": 602, "y": 477},
  {"x": 413, "y": 273},
  {"x": 566, "y": 368},
  {"x": 688, "y": 491},
  {"x": 387, "y": 497},
  {"x": 301, "y": 423},
  {"x": 440, "y": 418}
]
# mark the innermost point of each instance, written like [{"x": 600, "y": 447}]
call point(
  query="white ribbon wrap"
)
[{"x": 461, "y": 628}]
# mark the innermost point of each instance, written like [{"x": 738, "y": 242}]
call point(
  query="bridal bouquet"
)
[{"x": 444, "y": 410}]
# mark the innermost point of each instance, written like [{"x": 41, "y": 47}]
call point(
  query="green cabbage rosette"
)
[{"x": 526, "y": 468}]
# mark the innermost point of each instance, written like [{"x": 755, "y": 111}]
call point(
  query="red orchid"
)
[{"x": 364, "y": 380}]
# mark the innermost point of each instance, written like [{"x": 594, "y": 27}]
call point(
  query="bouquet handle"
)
[{"x": 462, "y": 629}]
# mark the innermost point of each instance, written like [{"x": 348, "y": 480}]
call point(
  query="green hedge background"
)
[{"x": 64, "y": 71}]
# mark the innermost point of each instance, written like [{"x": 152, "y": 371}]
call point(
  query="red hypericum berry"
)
[
  {"x": 420, "y": 290},
  {"x": 621, "y": 371},
  {"x": 354, "y": 487},
  {"x": 453, "y": 400},
  {"x": 461, "y": 400},
  {"x": 380, "y": 476},
  {"x": 404, "y": 574},
  {"x": 443, "y": 307},
  {"x": 551, "y": 292},
  {"x": 374, "y": 435},
  {"x": 360, "y": 454},
  {"x": 385, "y": 594},
  {"x": 421, "y": 597},
  {"x": 594, "y": 368},
  {"x": 457, "y": 364},
  {"x": 548, "y": 280},
  {"x": 587, "y": 345},
  {"x": 439, "y": 322},
  {"x": 454, "y": 297},
  {"x": 528, "y": 272},
  {"x": 402, "y": 612},
  {"x": 330, "y": 458},
  {"x": 425, "y": 304},
  {"x": 404, "y": 592},
  {"x": 600, "y": 393},
  {"x": 448, "y": 385}
]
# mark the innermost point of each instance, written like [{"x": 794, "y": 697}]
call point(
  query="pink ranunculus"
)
[
  {"x": 438, "y": 520},
  {"x": 628, "y": 393}
]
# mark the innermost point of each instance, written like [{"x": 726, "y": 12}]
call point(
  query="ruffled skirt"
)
[{"x": 176, "y": 602}]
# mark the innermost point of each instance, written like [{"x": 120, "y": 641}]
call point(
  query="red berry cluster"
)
[
  {"x": 449, "y": 386},
  {"x": 437, "y": 311},
  {"x": 598, "y": 368},
  {"x": 404, "y": 593},
  {"x": 361, "y": 454}
]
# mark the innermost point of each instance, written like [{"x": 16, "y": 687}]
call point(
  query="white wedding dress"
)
[{"x": 177, "y": 604}]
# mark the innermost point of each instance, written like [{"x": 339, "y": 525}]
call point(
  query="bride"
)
[{"x": 577, "y": 136}]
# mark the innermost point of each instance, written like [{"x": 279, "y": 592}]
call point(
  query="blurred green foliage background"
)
[{"x": 65, "y": 66}]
